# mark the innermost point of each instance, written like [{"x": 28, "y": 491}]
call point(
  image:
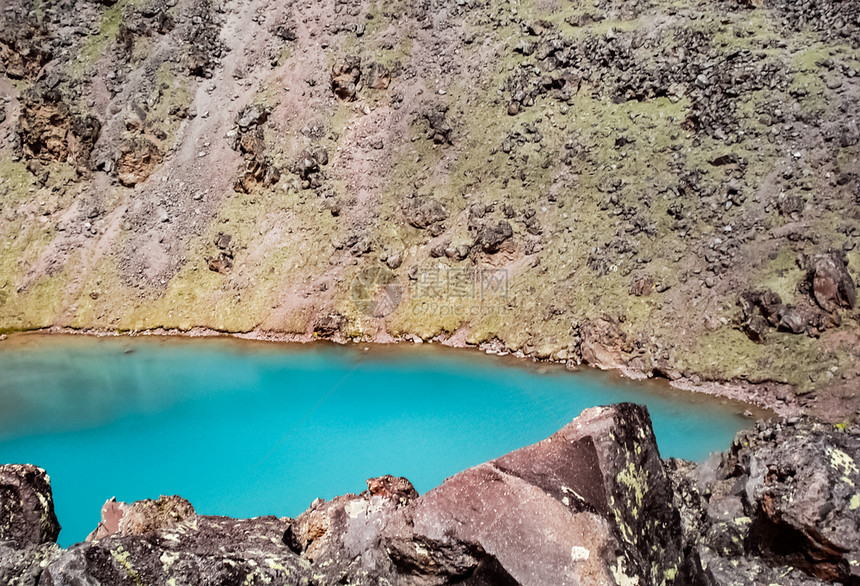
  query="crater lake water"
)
[{"x": 247, "y": 429}]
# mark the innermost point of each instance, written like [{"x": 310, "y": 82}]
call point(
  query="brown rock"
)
[
  {"x": 390, "y": 486},
  {"x": 50, "y": 132},
  {"x": 329, "y": 324},
  {"x": 590, "y": 505},
  {"x": 138, "y": 158},
  {"x": 221, "y": 263},
  {"x": 642, "y": 286},
  {"x": 603, "y": 344},
  {"x": 345, "y": 74},
  {"x": 832, "y": 286},
  {"x": 142, "y": 517},
  {"x": 23, "y": 44},
  {"x": 254, "y": 173},
  {"x": 423, "y": 212}
]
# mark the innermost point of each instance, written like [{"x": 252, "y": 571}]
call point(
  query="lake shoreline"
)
[{"x": 769, "y": 398}]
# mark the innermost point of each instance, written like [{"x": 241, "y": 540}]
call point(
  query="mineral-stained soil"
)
[
  {"x": 592, "y": 505},
  {"x": 670, "y": 188}
]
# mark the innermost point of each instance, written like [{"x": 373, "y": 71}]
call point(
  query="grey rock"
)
[
  {"x": 253, "y": 115},
  {"x": 491, "y": 237},
  {"x": 781, "y": 507}
]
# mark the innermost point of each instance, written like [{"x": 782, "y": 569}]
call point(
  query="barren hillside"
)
[{"x": 667, "y": 187}]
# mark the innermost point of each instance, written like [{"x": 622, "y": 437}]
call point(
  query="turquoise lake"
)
[{"x": 247, "y": 429}]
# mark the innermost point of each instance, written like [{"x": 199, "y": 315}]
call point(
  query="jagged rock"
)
[
  {"x": 253, "y": 115},
  {"x": 223, "y": 241},
  {"x": 196, "y": 550},
  {"x": 320, "y": 155},
  {"x": 203, "y": 48},
  {"x": 256, "y": 172},
  {"x": 763, "y": 309},
  {"x": 222, "y": 263},
  {"x": 286, "y": 29},
  {"x": 377, "y": 77},
  {"x": 25, "y": 566},
  {"x": 781, "y": 506},
  {"x": 26, "y": 506},
  {"x": 590, "y": 505},
  {"x": 307, "y": 165},
  {"x": 28, "y": 525},
  {"x": 336, "y": 534},
  {"x": 138, "y": 158},
  {"x": 832, "y": 285},
  {"x": 807, "y": 508},
  {"x": 642, "y": 286},
  {"x": 755, "y": 327},
  {"x": 394, "y": 260},
  {"x": 423, "y": 211},
  {"x": 490, "y": 238},
  {"x": 329, "y": 324},
  {"x": 593, "y": 504},
  {"x": 141, "y": 517},
  {"x": 440, "y": 130},
  {"x": 792, "y": 320},
  {"x": 257, "y": 169},
  {"x": 791, "y": 205},
  {"x": 603, "y": 343},
  {"x": 345, "y": 74},
  {"x": 49, "y": 131},
  {"x": 24, "y": 47}
]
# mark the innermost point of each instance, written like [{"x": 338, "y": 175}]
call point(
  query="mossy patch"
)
[{"x": 96, "y": 44}]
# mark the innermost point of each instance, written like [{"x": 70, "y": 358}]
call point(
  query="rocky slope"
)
[
  {"x": 666, "y": 187},
  {"x": 593, "y": 504}
]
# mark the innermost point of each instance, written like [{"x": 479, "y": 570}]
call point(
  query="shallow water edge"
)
[{"x": 758, "y": 401}]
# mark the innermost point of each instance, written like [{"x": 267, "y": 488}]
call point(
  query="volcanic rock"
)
[
  {"x": 26, "y": 506},
  {"x": 490, "y": 237},
  {"x": 138, "y": 158},
  {"x": 781, "y": 506},
  {"x": 345, "y": 74},
  {"x": 832, "y": 285},
  {"x": 589, "y": 505},
  {"x": 423, "y": 211},
  {"x": 28, "y": 525}
]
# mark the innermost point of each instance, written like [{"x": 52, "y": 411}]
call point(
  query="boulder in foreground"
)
[{"x": 592, "y": 505}]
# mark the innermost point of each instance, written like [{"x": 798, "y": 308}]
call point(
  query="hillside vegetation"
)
[{"x": 667, "y": 187}]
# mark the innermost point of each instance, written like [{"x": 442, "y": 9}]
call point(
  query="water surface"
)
[{"x": 246, "y": 429}]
